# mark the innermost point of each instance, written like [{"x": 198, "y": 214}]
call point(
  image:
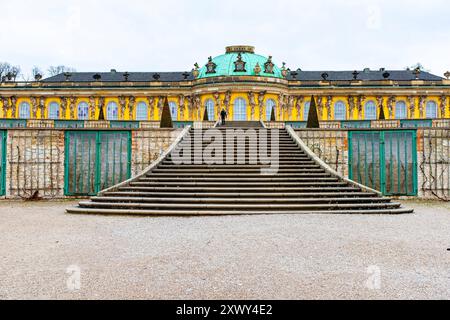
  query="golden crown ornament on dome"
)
[{"x": 257, "y": 69}]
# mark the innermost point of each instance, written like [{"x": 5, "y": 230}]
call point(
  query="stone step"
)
[
  {"x": 238, "y": 179},
  {"x": 241, "y": 207},
  {"x": 231, "y": 171},
  {"x": 79, "y": 210},
  {"x": 240, "y": 200},
  {"x": 241, "y": 195},
  {"x": 229, "y": 166},
  {"x": 240, "y": 184},
  {"x": 280, "y": 190},
  {"x": 255, "y": 175}
]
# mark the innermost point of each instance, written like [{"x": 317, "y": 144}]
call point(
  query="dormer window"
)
[
  {"x": 211, "y": 66},
  {"x": 268, "y": 66},
  {"x": 239, "y": 64}
]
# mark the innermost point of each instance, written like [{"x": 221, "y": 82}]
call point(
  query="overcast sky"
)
[{"x": 171, "y": 35}]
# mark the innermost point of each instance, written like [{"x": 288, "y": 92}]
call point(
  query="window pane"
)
[
  {"x": 240, "y": 110},
  {"x": 210, "y": 107},
  {"x": 173, "y": 110},
  {"x": 370, "y": 111},
  {"x": 24, "y": 111},
  {"x": 340, "y": 112},
  {"x": 270, "y": 104},
  {"x": 83, "y": 110},
  {"x": 431, "y": 112},
  {"x": 53, "y": 111},
  {"x": 141, "y": 111},
  {"x": 400, "y": 110},
  {"x": 306, "y": 110},
  {"x": 112, "y": 111}
]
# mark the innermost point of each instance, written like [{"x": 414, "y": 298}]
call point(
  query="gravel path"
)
[{"x": 244, "y": 257}]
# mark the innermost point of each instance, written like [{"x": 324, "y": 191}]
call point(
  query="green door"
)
[
  {"x": 96, "y": 160},
  {"x": 384, "y": 160},
  {"x": 2, "y": 162}
]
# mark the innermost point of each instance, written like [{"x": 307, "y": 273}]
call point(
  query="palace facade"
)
[{"x": 240, "y": 81}]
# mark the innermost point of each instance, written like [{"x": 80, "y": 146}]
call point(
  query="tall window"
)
[
  {"x": 431, "y": 110},
  {"x": 400, "y": 110},
  {"x": 83, "y": 111},
  {"x": 240, "y": 110},
  {"x": 209, "y": 105},
  {"x": 340, "y": 111},
  {"x": 24, "y": 111},
  {"x": 53, "y": 111},
  {"x": 270, "y": 105},
  {"x": 173, "y": 110},
  {"x": 112, "y": 111},
  {"x": 370, "y": 111},
  {"x": 306, "y": 110},
  {"x": 141, "y": 111}
]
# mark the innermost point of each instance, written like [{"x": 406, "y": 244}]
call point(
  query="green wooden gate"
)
[
  {"x": 384, "y": 160},
  {"x": 2, "y": 162},
  {"x": 96, "y": 160}
]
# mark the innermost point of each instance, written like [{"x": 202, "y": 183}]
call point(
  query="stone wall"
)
[
  {"x": 433, "y": 157},
  {"x": 35, "y": 163},
  {"x": 330, "y": 145},
  {"x": 35, "y": 159},
  {"x": 148, "y": 145}
]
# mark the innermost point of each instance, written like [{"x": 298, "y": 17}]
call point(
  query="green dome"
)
[{"x": 225, "y": 64}]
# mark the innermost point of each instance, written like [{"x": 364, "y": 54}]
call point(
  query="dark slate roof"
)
[
  {"x": 367, "y": 75},
  {"x": 119, "y": 77}
]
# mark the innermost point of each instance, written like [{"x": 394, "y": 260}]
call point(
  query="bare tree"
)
[
  {"x": 8, "y": 72},
  {"x": 55, "y": 70}
]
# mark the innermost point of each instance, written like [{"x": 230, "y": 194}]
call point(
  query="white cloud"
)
[{"x": 168, "y": 35}]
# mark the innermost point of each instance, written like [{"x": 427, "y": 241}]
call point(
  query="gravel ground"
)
[{"x": 238, "y": 257}]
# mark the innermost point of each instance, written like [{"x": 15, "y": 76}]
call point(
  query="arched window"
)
[
  {"x": 270, "y": 105},
  {"x": 141, "y": 111},
  {"x": 370, "y": 111},
  {"x": 53, "y": 111},
  {"x": 24, "y": 111},
  {"x": 340, "y": 111},
  {"x": 173, "y": 110},
  {"x": 431, "y": 110},
  {"x": 240, "y": 110},
  {"x": 306, "y": 110},
  {"x": 209, "y": 105},
  {"x": 400, "y": 110},
  {"x": 83, "y": 111},
  {"x": 112, "y": 111}
]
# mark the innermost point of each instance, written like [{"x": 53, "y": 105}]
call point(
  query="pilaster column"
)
[
  {"x": 182, "y": 106},
  {"x": 227, "y": 101},
  {"x": 122, "y": 104},
  {"x": 101, "y": 105},
  {"x": 412, "y": 106},
  {"x": 281, "y": 105},
  {"x": 252, "y": 102},
  {"x": 71, "y": 103},
  {"x": 298, "y": 106},
  {"x": 131, "y": 105},
  {"x": 328, "y": 105},
  {"x": 92, "y": 106},
  {"x": 421, "y": 102},
  {"x": 218, "y": 105},
  {"x": 34, "y": 107},
  {"x": 351, "y": 106},
  {"x": 261, "y": 97},
  {"x": 442, "y": 105},
  {"x": 160, "y": 106},
  {"x": 391, "y": 106},
  {"x": 290, "y": 107},
  {"x": 359, "y": 101},
  {"x": 151, "y": 107}
]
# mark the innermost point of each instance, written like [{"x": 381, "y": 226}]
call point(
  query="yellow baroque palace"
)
[{"x": 240, "y": 81}]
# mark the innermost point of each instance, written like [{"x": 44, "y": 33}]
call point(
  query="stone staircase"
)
[{"x": 303, "y": 184}]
